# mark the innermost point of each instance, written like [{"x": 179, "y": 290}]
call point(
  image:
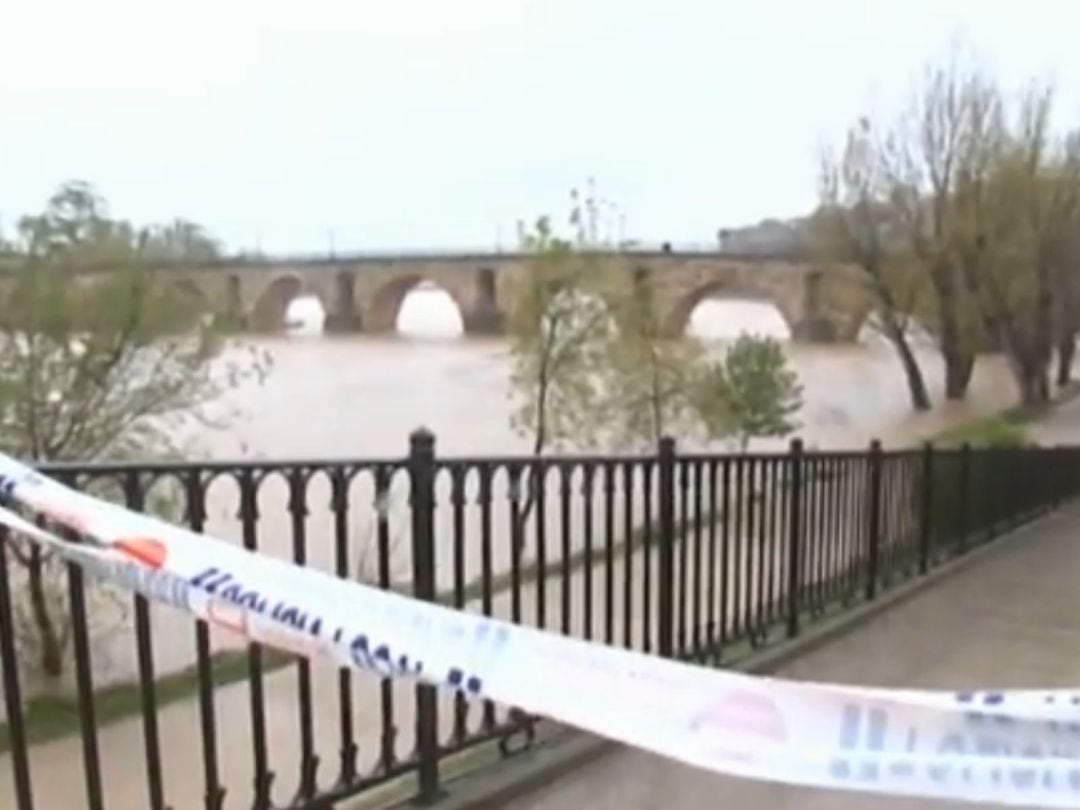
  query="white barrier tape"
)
[{"x": 1014, "y": 747}]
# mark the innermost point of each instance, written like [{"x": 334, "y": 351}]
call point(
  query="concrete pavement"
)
[{"x": 1010, "y": 619}]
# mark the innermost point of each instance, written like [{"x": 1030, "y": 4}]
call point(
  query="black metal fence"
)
[{"x": 705, "y": 557}]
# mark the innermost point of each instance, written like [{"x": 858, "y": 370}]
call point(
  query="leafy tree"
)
[
  {"x": 556, "y": 329},
  {"x": 647, "y": 375},
  {"x": 750, "y": 393},
  {"x": 100, "y": 357}
]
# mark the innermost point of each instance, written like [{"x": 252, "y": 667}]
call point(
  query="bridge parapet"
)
[{"x": 364, "y": 292}]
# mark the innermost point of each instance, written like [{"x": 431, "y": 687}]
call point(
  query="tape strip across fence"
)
[{"x": 1018, "y": 747}]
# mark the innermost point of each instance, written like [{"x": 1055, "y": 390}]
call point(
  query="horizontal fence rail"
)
[{"x": 700, "y": 557}]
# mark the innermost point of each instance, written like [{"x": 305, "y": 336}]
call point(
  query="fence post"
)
[
  {"x": 964, "y": 495},
  {"x": 795, "y": 460},
  {"x": 1057, "y": 469},
  {"x": 421, "y": 468},
  {"x": 927, "y": 507},
  {"x": 874, "y": 529},
  {"x": 9, "y": 675},
  {"x": 666, "y": 551}
]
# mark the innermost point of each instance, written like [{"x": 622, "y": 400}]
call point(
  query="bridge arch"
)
[
  {"x": 385, "y": 305},
  {"x": 268, "y": 314},
  {"x": 678, "y": 318}
]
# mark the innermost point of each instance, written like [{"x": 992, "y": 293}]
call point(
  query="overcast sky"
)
[{"x": 437, "y": 123}]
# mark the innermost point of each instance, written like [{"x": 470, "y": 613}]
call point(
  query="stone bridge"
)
[{"x": 364, "y": 294}]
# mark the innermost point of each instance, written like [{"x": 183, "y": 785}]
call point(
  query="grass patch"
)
[
  {"x": 988, "y": 432},
  {"x": 1007, "y": 428}
]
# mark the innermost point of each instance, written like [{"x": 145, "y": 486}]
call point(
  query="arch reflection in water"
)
[
  {"x": 429, "y": 311},
  {"x": 726, "y": 319},
  {"x": 305, "y": 316}
]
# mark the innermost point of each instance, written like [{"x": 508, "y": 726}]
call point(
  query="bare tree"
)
[
  {"x": 854, "y": 224},
  {"x": 1019, "y": 195},
  {"x": 923, "y": 158}
]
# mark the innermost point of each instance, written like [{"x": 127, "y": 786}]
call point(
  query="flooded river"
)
[{"x": 354, "y": 397}]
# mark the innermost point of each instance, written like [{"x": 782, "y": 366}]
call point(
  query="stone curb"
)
[{"x": 566, "y": 750}]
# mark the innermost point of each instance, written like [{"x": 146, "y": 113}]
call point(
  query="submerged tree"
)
[
  {"x": 648, "y": 374},
  {"x": 557, "y": 328},
  {"x": 100, "y": 357},
  {"x": 1019, "y": 197},
  {"x": 750, "y": 393},
  {"x": 854, "y": 225}
]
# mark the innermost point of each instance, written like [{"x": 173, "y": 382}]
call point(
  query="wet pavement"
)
[{"x": 1009, "y": 619}]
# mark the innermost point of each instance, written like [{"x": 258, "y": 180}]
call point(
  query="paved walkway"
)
[{"x": 1010, "y": 619}]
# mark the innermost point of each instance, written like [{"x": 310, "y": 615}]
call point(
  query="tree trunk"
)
[
  {"x": 52, "y": 648},
  {"x": 1066, "y": 350},
  {"x": 959, "y": 359},
  {"x": 920, "y": 397},
  {"x": 959, "y": 366},
  {"x": 1034, "y": 387},
  {"x": 897, "y": 336}
]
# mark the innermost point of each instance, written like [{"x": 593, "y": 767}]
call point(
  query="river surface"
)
[
  {"x": 361, "y": 396},
  {"x": 356, "y": 397}
]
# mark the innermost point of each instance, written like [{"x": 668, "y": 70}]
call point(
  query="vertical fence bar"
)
[
  {"x": 647, "y": 476},
  {"x": 339, "y": 505},
  {"x": 566, "y": 473},
  {"x": 85, "y": 687},
  {"x": 926, "y": 507},
  {"x": 697, "y": 643},
  {"x": 666, "y": 551},
  {"x": 1055, "y": 455},
  {"x": 134, "y": 498},
  {"x": 422, "y": 505},
  {"x": 628, "y": 556},
  {"x": 873, "y": 539},
  {"x": 811, "y": 537},
  {"x": 517, "y": 539},
  {"x": 682, "y": 473},
  {"x": 963, "y": 495},
  {"x": 539, "y": 484},
  {"x": 737, "y": 548},
  {"x": 9, "y": 669},
  {"x": 383, "y": 476},
  {"x": 249, "y": 516},
  {"x": 309, "y": 762},
  {"x": 457, "y": 502},
  {"x": 711, "y": 565},
  {"x": 214, "y": 793},
  {"x": 609, "y": 552},
  {"x": 795, "y": 458},
  {"x": 753, "y": 561},
  {"x": 836, "y": 528},
  {"x": 588, "y": 472},
  {"x": 776, "y": 587}
]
